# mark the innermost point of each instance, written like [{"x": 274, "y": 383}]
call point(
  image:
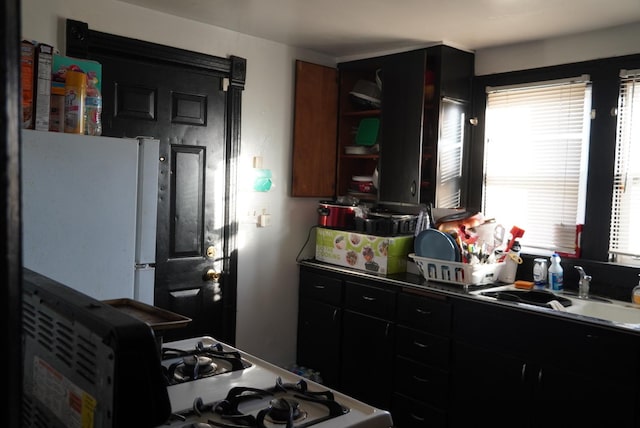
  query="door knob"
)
[{"x": 211, "y": 275}]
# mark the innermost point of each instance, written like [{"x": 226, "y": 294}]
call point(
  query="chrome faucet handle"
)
[{"x": 583, "y": 283}]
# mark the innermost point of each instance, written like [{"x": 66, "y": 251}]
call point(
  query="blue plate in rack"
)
[{"x": 434, "y": 244}]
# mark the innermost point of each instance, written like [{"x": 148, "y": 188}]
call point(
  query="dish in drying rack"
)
[{"x": 434, "y": 244}]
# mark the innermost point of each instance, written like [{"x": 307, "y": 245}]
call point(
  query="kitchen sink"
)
[
  {"x": 618, "y": 312},
  {"x": 615, "y": 311},
  {"x": 531, "y": 297}
]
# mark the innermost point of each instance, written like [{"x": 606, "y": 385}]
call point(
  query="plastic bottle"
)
[
  {"x": 511, "y": 262},
  {"x": 92, "y": 107},
  {"x": 635, "y": 293},
  {"x": 540, "y": 273},
  {"x": 75, "y": 89},
  {"x": 556, "y": 274}
]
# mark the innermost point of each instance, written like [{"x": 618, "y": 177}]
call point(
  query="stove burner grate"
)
[
  {"x": 284, "y": 408},
  {"x": 201, "y": 362}
]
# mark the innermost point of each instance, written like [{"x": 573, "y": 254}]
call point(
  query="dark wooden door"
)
[{"x": 189, "y": 109}]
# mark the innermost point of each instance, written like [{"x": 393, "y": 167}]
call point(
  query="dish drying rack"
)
[{"x": 457, "y": 273}]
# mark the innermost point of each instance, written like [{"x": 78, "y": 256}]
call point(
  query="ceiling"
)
[{"x": 342, "y": 28}]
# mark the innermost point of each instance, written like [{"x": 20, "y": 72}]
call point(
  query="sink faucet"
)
[{"x": 583, "y": 283}]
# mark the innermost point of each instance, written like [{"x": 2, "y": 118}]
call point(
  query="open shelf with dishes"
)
[{"x": 359, "y": 111}]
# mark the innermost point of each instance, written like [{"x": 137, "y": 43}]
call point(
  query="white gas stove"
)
[{"x": 212, "y": 384}]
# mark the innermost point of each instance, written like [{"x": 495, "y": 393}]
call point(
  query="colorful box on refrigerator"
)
[
  {"x": 42, "y": 86},
  {"x": 62, "y": 64},
  {"x": 27, "y": 51}
]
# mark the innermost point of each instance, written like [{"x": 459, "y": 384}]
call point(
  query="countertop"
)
[{"x": 412, "y": 281}]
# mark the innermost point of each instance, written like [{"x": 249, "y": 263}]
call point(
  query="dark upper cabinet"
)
[
  {"x": 426, "y": 98},
  {"x": 403, "y": 78},
  {"x": 423, "y": 127}
]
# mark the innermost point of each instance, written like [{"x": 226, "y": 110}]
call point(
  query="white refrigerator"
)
[{"x": 89, "y": 211}]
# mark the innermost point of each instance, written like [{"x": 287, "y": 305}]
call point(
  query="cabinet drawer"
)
[
  {"x": 424, "y": 313},
  {"x": 423, "y": 383},
  {"x": 320, "y": 287},
  {"x": 371, "y": 301},
  {"x": 407, "y": 413},
  {"x": 422, "y": 347}
]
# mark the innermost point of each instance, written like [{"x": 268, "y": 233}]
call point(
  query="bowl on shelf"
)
[{"x": 365, "y": 95}]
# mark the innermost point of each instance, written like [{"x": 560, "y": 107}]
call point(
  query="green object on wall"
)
[{"x": 262, "y": 181}]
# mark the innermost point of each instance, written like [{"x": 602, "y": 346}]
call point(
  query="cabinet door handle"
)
[
  {"x": 368, "y": 299},
  {"x": 420, "y": 345},
  {"x": 540, "y": 376},
  {"x": 417, "y": 418},
  {"x": 421, "y": 379},
  {"x": 319, "y": 287},
  {"x": 422, "y": 311},
  {"x": 523, "y": 372},
  {"x": 335, "y": 314}
]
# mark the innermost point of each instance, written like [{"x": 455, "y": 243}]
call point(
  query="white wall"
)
[
  {"x": 268, "y": 273},
  {"x": 611, "y": 42}
]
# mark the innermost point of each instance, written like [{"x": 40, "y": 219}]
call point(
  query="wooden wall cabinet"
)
[
  {"x": 314, "y": 131},
  {"x": 425, "y": 97}
]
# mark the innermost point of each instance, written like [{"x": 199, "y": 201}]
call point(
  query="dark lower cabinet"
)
[
  {"x": 537, "y": 371},
  {"x": 367, "y": 363},
  {"x": 320, "y": 325},
  {"x": 409, "y": 413},
  {"x": 368, "y": 339},
  {"x": 320, "y": 329},
  {"x": 439, "y": 360},
  {"x": 423, "y": 352}
]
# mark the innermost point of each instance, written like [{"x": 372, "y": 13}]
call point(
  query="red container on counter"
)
[{"x": 336, "y": 216}]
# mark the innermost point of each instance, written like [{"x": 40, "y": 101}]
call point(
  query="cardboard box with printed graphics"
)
[{"x": 376, "y": 254}]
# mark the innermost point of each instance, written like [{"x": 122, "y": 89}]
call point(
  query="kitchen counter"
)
[
  {"x": 440, "y": 334},
  {"x": 410, "y": 281}
]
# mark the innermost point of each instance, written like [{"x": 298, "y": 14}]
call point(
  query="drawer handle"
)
[
  {"x": 369, "y": 299},
  {"x": 319, "y": 287},
  {"x": 523, "y": 372},
  {"x": 422, "y": 311},
  {"x": 420, "y": 345},
  {"x": 417, "y": 418},
  {"x": 420, "y": 379}
]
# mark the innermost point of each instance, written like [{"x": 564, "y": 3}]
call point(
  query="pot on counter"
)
[
  {"x": 334, "y": 215},
  {"x": 387, "y": 224}
]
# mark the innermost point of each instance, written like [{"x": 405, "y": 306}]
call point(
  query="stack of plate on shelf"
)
[{"x": 361, "y": 150}]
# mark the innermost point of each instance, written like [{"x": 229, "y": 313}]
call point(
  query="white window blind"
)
[
  {"x": 536, "y": 152},
  {"x": 624, "y": 239}
]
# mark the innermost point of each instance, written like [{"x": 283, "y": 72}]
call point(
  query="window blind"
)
[
  {"x": 536, "y": 152},
  {"x": 624, "y": 242}
]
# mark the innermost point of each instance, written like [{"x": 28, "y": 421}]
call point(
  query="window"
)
[
  {"x": 624, "y": 242},
  {"x": 535, "y": 161}
]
